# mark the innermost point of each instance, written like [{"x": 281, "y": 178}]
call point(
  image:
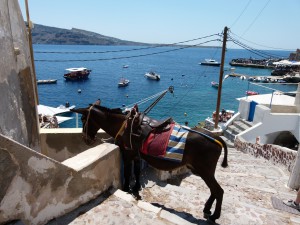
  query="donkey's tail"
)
[{"x": 225, "y": 161}]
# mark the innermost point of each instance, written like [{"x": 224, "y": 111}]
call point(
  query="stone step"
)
[
  {"x": 229, "y": 142},
  {"x": 241, "y": 125},
  {"x": 234, "y": 129},
  {"x": 248, "y": 123},
  {"x": 229, "y": 135}
]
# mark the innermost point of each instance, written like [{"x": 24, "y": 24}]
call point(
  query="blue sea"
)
[{"x": 193, "y": 99}]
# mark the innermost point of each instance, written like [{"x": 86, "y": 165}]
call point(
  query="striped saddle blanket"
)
[{"x": 168, "y": 144}]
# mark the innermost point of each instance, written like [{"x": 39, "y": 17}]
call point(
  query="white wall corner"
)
[
  {"x": 244, "y": 108},
  {"x": 261, "y": 112}
]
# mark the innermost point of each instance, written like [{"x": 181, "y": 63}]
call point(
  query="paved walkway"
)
[{"x": 248, "y": 182}]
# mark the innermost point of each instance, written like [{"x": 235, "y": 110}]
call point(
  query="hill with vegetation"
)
[{"x": 51, "y": 35}]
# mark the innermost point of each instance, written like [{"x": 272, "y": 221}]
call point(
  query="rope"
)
[
  {"x": 143, "y": 100},
  {"x": 160, "y": 96},
  {"x": 155, "y": 102}
]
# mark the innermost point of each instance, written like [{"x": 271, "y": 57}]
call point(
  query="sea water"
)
[{"x": 193, "y": 99}]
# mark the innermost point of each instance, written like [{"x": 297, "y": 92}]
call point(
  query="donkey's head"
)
[{"x": 89, "y": 124}]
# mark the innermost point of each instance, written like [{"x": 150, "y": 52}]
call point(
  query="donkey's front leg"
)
[
  {"x": 127, "y": 175},
  {"x": 137, "y": 172}
]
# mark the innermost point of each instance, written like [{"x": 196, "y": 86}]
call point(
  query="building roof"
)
[{"x": 266, "y": 99}]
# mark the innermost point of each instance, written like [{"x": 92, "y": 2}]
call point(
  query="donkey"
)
[{"x": 200, "y": 155}]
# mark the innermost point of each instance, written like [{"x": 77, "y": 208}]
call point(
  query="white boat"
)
[
  {"x": 50, "y": 81},
  {"x": 51, "y": 117},
  {"x": 48, "y": 110},
  {"x": 123, "y": 82},
  {"x": 65, "y": 107},
  {"x": 210, "y": 62},
  {"x": 152, "y": 76},
  {"x": 214, "y": 84}
]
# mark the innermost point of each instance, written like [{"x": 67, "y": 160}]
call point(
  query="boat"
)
[
  {"x": 50, "y": 81},
  {"x": 123, "y": 82},
  {"x": 125, "y": 66},
  {"x": 210, "y": 62},
  {"x": 152, "y": 76},
  {"x": 251, "y": 93},
  {"x": 292, "y": 78},
  {"x": 77, "y": 74},
  {"x": 214, "y": 84}
]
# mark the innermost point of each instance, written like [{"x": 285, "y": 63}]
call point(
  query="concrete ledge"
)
[
  {"x": 89, "y": 156},
  {"x": 64, "y": 143},
  {"x": 37, "y": 188}
]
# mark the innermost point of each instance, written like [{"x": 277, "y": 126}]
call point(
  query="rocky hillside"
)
[{"x": 51, "y": 35}]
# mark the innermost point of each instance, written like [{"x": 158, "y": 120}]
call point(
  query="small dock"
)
[{"x": 248, "y": 76}]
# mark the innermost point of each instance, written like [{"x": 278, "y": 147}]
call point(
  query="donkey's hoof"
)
[
  {"x": 206, "y": 215},
  {"x": 136, "y": 189},
  {"x": 210, "y": 221}
]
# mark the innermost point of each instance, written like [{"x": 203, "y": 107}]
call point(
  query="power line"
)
[
  {"x": 261, "y": 44},
  {"x": 241, "y": 14},
  {"x": 122, "y": 57},
  {"x": 260, "y": 12},
  {"x": 125, "y": 50},
  {"x": 184, "y": 95},
  {"x": 253, "y": 50}
]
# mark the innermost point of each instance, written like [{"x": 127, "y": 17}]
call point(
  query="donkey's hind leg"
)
[
  {"x": 216, "y": 193},
  {"x": 207, "y": 207}
]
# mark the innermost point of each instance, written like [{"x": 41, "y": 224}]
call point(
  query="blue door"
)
[{"x": 252, "y": 110}]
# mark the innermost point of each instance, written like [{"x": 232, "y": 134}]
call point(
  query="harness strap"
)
[
  {"x": 121, "y": 130},
  {"x": 131, "y": 127},
  {"x": 204, "y": 135},
  {"x": 87, "y": 120}
]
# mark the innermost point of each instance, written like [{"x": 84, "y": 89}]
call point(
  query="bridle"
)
[
  {"x": 124, "y": 125},
  {"x": 85, "y": 135}
]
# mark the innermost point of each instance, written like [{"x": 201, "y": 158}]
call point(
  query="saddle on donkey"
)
[{"x": 162, "y": 138}]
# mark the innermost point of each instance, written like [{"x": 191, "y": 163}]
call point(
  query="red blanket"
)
[{"x": 157, "y": 142}]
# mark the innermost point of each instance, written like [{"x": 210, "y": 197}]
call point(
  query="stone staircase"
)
[
  {"x": 236, "y": 128},
  {"x": 118, "y": 207},
  {"x": 248, "y": 183}
]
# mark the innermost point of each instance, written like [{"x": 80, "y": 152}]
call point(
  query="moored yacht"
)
[
  {"x": 210, "y": 62},
  {"x": 152, "y": 76}
]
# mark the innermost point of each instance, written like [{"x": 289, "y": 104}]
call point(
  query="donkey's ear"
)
[{"x": 82, "y": 111}]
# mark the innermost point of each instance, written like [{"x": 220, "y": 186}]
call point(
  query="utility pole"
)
[{"x": 221, "y": 77}]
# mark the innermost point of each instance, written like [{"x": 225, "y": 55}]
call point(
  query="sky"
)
[{"x": 260, "y": 24}]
